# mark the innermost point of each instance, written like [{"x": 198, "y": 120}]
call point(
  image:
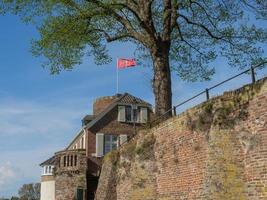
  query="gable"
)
[
  {"x": 125, "y": 99},
  {"x": 109, "y": 124}
]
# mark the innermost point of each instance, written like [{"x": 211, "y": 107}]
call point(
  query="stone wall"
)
[
  {"x": 214, "y": 151},
  {"x": 71, "y": 175},
  {"x": 108, "y": 179}
]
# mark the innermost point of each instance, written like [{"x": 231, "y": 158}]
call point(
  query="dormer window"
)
[
  {"x": 132, "y": 113},
  {"x": 128, "y": 113}
]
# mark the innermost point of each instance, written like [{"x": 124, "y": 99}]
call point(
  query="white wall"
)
[{"x": 48, "y": 190}]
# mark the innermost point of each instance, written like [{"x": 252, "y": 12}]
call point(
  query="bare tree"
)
[{"x": 30, "y": 191}]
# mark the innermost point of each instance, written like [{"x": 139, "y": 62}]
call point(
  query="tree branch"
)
[
  {"x": 185, "y": 41},
  {"x": 110, "y": 38},
  {"x": 205, "y": 11},
  {"x": 167, "y": 15},
  {"x": 143, "y": 37},
  {"x": 125, "y": 23},
  {"x": 201, "y": 26}
]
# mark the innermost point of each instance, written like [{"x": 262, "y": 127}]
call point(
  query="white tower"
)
[{"x": 48, "y": 180}]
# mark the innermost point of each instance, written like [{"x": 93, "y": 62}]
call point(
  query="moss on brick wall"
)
[
  {"x": 225, "y": 174},
  {"x": 214, "y": 151}
]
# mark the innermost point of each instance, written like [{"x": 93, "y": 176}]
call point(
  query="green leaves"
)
[
  {"x": 199, "y": 31},
  {"x": 64, "y": 41}
]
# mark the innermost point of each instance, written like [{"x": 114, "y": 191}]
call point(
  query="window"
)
[
  {"x": 135, "y": 115},
  {"x": 79, "y": 194},
  {"x": 128, "y": 113},
  {"x": 68, "y": 161},
  {"x": 71, "y": 160},
  {"x": 65, "y": 162},
  {"x": 111, "y": 142},
  {"x": 48, "y": 170},
  {"x": 75, "y": 160},
  {"x": 132, "y": 113}
]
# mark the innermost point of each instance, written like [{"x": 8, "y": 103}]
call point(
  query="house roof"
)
[
  {"x": 81, "y": 131},
  {"x": 88, "y": 117},
  {"x": 50, "y": 161},
  {"x": 128, "y": 99}
]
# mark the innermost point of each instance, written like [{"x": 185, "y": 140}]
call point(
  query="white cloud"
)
[
  {"x": 7, "y": 174},
  {"x": 19, "y": 117},
  {"x": 30, "y": 132}
]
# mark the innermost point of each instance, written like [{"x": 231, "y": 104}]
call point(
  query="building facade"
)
[{"x": 72, "y": 174}]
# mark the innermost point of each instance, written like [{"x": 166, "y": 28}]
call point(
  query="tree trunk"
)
[{"x": 162, "y": 80}]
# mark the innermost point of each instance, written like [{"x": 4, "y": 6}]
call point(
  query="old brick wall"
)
[
  {"x": 214, "y": 151},
  {"x": 254, "y": 141},
  {"x": 180, "y": 157},
  {"x": 102, "y": 103},
  {"x": 69, "y": 178}
]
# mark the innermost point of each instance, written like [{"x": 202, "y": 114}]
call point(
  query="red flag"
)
[{"x": 124, "y": 63}]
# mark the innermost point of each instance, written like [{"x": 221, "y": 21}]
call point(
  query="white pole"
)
[{"x": 117, "y": 76}]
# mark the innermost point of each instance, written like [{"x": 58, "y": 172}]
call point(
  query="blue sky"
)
[{"x": 41, "y": 113}]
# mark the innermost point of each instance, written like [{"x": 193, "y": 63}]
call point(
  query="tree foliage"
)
[
  {"x": 14, "y": 198},
  {"x": 30, "y": 191},
  {"x": 191, "y": 34},
  {"x": 199, "y": 30}
]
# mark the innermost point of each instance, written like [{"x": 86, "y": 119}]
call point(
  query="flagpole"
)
[{"x": 117, "y": 76}]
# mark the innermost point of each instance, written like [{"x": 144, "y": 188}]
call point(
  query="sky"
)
[{"x": 41, "y": 113}]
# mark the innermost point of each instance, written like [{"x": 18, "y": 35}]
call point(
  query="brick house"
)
[{"x": 73, "y": 173}]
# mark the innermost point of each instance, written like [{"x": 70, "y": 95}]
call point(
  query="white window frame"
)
[
  {"x": 123, "y": 139},
  {"x": 138, "y": 113},
  {"x": 121, "y": 113},
  {"x": 111, "y": 142},
  {"x": 48, "y": 170},
  {"x": 131, "y": 108},
  {"x": 143, "y": 115},
  {"x": 84, "y": 143},
  {"x": 128, "y": 107},
  {"x": 81, "y": 142},
  {"x": 99, "y": 145}
]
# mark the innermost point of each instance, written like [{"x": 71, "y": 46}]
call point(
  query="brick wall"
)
[
  {"x": 214, "y": 151},
  {"x": 101, "y": 103},
  {"x": 91, "y": 143},
  {"x": 110, "y": 124}
]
